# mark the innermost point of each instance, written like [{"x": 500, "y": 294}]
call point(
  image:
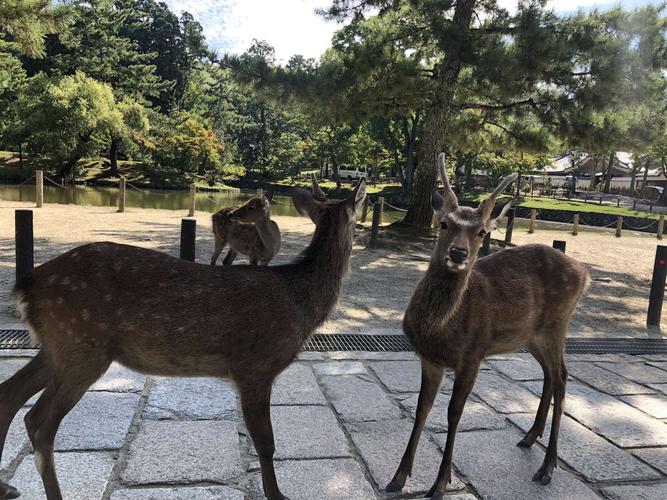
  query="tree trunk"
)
[
  {"x": 113, "y": 157},
  {"x": 470, "y": 181},
  {"x": 595, "y": 171},
  {"x": 607, "y": 177},
  {"x": 433, "y": 138},
  {"x": 399, "y": 170},
  {"x": 647, "y": 165},
  {"x": 633, "y": 176},
  {"x": 20, "y": 154},
  {"x": 263, "y": 138},
  {"x": 410, "y": 142}
]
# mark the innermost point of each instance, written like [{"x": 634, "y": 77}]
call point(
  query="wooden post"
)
[
  {"x": 25, "y": 250},
  {"x": 188, "y": 238},
  {"x": 364, "y": 209},
  {"x": 381, "y": 202},
  {"x": 559, "y": 245},
  {"x": 600, "y": 200},
  {"x": 532, "y": 182},
  {"x": 619, "y": 226},
  {"x": 657, "y": 288},
  {"x": 585, "y": 196},
  {"x": 375, "y": 225},
  {"x": 260, "y": 193},
  {"x": 634, "y": 204},
  {"x": 618, "y": 201},
  {"x": 121, "y": 194},
  {"x": 193, "y": 198},
  {"x": 486, "y": 243},
  {"x": 661, "y": 226},
  {"x": 650, "y": 206},
  {"x": 575, "y": 225},
  {"x": 39, "y": 188},
  {"x": 510, "y": 225},
  {"x": 533, "y": 215}
]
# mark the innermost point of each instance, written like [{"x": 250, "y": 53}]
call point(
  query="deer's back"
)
[{"x": 159, "y": 314}]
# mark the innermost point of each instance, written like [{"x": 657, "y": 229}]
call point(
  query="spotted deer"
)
[
  {"x": 249, "y": 230},
  {"x": 465, "y": 309},
  {"x": 156, "y": 314}
]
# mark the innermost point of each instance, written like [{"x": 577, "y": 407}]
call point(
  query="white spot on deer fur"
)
[
  {"x": 83, "y": 285},
  {"x": 180, "y": 329},
  {"x": 117, "y": 266},
  {"x": 66, "y": 281},
  {"x": 107, "y": 297},
  {"x": 74, "y": 254},
  {"x": 59, "y": 301},
  {"x": 85, "y": 314},
  {"x": 104, "y": 327},
  {"x": 52, "y": 279},
  {"x": 49, "y": 303},
  {"x": 73, "y": 320},
  {"x": 70, "y": 333},
  {"x": 74, "y": 288}
]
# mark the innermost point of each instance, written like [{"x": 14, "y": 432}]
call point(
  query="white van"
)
[{"x": 352, "y": 173}]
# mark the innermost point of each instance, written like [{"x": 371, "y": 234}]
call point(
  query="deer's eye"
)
[
  {"x": 482, "y": 233},
  {"x": 443, "y": 225}
]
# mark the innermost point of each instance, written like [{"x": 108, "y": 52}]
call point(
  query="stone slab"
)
[
  {"x": 359, "y": 399},
  {"x": 656, "y": 457},
  {"x": 120, "y": 379},
  {"x": 659, "y": 387},
  {"x": 654, "y": 405},
  {"x": 179, "y": 493},
  {"x": 100, "y": 421},
  {"x": 307, "y": 432},
  {"x": 381, "y": 445},
  {"x": 374, "y": 356},
  {"x": 340, "y": 368},
  {"x": 82, "y": 475},
  {"x": 617, "y": 421},
  {"x": 475, "y": 416},
  {"x": 9, "y": 366},
  {"x": 655, "y": 357},
  {"x": 630, "y": 491},
  {"x": 659, "y": 364},
  {"x": 16, "y": 440},
  {"x": 328, "y": 479},
  {"x": 297, "y": 386},
  {"x": 499, "y": 470},
  {"x": 593, "y": 457},
  {"x": 604, "y": 380},
  {"x": 641, "y": 373},
  {"x": 399, "y": 376},
  {"x": 504, "y": 396},
  {"x": 518, "y": 369},
  {"x": 18, "y": 353},
  {"x": 191, "y": 398},
  {"x": 312, "y": 356},
  {"x": 177, "y": 452}
]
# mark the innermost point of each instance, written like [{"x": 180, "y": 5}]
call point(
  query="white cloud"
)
[{"x": 293, "y": 27}]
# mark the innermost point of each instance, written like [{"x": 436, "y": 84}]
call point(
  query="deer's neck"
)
[
  {"x": 322, "y": 266},
  {"x": 266, "y": 232}
]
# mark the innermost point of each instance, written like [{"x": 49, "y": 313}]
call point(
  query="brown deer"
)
[
  {"x": 249, "y": 230},
  {"x": 156, "y": 314},
  {"x": 465, "y": 309}
]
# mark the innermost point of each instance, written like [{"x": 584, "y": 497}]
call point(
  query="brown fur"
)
[
  {"x": 249, "y": 230},
  {"x": 163, "y": 316},
  {"x": 461, "y": 313}
]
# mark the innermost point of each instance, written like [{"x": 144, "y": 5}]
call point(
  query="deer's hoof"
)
[
  {"x": 524, "y": 443},
  {"x": 542, "y": 477},
  {"x": 437, "y": 496},
  {"x": 9, "y": 492},
  {"x": 394, "y": 486}
]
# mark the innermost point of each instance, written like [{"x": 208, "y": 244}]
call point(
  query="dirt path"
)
[{"x": 380, "y": 282}]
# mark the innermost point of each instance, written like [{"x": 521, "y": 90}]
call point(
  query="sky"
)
[{"x": 293, "y": 27}]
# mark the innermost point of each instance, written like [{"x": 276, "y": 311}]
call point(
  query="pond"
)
[{"x": 141, "y": 198}]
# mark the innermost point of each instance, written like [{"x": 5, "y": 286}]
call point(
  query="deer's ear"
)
[
  {"x": 437, "y": 201},
  {"x": 306, "y": 204},
  {"x": 492, "y": 224},
  {"x": 357, "y": 197}
]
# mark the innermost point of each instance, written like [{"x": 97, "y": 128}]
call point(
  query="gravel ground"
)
[{"x": 380, "y": 282}]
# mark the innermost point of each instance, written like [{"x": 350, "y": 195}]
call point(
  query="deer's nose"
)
[{"x": 458, "y": 255}]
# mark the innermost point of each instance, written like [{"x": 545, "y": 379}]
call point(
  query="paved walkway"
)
[{"x": 341, "y": 422}]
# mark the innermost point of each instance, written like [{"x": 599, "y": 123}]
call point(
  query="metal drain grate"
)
[{"x": 19, "y": 339}]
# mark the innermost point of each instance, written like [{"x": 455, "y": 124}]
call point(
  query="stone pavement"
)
[{"x": 341, "y": 421}]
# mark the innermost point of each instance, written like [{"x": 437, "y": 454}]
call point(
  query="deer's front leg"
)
[
  {"x": 255, "y": 403},
  {"x": 465, "y": 380},
  {"x": 431, "y": 379}
]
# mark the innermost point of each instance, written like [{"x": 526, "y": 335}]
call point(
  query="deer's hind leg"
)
[
  {"x": 14, "y": 392},
  {"x": 67, "y": 386},
  {"x": 219, "y": 245},
  {"x": 537, "y": 429},
  {"x": 431, "y": 379},
  {"x": 229, "y": 259}
]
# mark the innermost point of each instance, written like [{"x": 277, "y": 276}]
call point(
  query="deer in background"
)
[
  {"x": 156, "y": 314},
  {"x": 249, "y": 230},
  {"x": 465, "y": 309}
]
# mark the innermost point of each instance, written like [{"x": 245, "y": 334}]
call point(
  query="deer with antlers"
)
[
  {"x": 249, "y": 230},
  {"x": 156, "y": 314},
  {"x": 465, "y": 309}
]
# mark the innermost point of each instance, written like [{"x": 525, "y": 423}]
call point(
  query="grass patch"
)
[{"x": 380, "y": 188}]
